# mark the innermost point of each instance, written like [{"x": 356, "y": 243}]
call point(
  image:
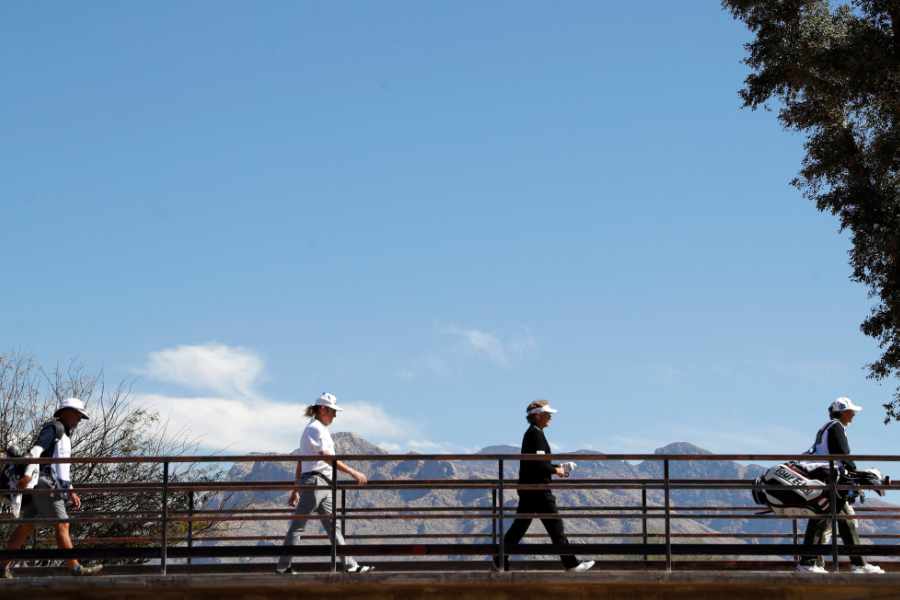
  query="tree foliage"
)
[
  {"x": 834, "y": 72},
  {"x": 116, "y": 428}
]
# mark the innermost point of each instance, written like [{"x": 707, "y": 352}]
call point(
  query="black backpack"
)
[{"x": 10, "y": 476}]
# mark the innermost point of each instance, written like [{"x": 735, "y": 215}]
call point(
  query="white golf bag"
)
[{"x": 800, "y": 489}]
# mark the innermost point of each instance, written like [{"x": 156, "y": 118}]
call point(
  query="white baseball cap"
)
[
  {"x": 843, "y": 403},
  {"x": 74, "y": 404},
  {"x": 542, "y": 409},
  {"x": 328, "y": 400}
]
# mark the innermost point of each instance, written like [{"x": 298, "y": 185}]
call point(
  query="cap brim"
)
[
  {"x": 78, "y": 410},
  {"x": 547, "y": 409}
]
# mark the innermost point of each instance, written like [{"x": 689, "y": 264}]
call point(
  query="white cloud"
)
[
  {"x": 491, "y": 346},
  {"x": 232, "y": 425},
  {"x": 232, "y": 415},
  {"x": 226, "y": 370},
  {"x": 228, "y": 425}
]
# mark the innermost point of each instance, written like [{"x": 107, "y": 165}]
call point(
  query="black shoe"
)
[{"x": 287, "y": 571}]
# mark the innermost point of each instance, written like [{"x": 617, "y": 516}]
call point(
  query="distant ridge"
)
[{"x": 681, "y": 448}]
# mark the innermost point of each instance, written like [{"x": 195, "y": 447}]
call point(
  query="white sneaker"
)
[
  {"x": 360, "y": 569},
  {"x": 868, "y": 569},
  {"x": 811, "y": 569},
  {"x": 581, "y": 567}
]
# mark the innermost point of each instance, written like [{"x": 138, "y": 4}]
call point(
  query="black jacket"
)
[
  {"x": 535, "y": 471},
  {"x": 832, "y": 438}
]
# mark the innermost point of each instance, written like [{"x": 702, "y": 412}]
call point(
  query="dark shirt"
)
[
  {"x": 835, "y": 442},
  {"x": 535, "y": 471},
  {"x": 46, "y": 439}
]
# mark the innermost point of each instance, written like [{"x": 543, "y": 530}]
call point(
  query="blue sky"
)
[{"x": 437, "y": 211}]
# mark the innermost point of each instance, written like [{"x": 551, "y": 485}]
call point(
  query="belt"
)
[{"x": 315, "y": 474}]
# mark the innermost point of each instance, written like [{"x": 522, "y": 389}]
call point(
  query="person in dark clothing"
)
[
  {"x": 832, "y": 439},
  {"x": 538, "y": 414}
]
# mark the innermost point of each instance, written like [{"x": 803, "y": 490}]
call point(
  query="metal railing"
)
[{"x": 646, "y": 549}]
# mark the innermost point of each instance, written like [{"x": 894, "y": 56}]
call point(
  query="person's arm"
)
[
  {"x": 295, "y": 493},
  {"x": 315, "y": 440},
  {"x": 838, "y": 444},
  {"x": 45, "y": 439},
  {"x": 357, "y": 475}
]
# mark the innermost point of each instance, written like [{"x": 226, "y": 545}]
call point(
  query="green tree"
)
[{"x": 834, "y": 72}]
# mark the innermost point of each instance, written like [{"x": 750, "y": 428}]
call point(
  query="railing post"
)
[
  {"x": 500, "y": 537},
  {"x": 190, "y": 527},
  {"x": 796, "y": 541},
  {"x": 668, "y": 512},
  {"x": 644, "y": 519},
  {"x": 333, "y": 516},
  {"x": 834, "y": 522},
  {"x": 344, "y": 513},
  {"x": 494, "y": 516},
  {"x": 165, "y": 519}
]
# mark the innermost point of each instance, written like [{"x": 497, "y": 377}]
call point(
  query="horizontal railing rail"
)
[{"x": 592, "y": 457}]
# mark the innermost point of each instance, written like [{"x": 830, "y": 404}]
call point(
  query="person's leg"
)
[
  {"x": 17, "y": 539},
  {"x": 64, "y": 542},
  {"x": 850, "y": 535},
  {"x": 556, "y": 530},
  {"x": 325, "y": 508},
  {"x": 815, "y": 529},
  {"x": 56, "y": 509},
  {"x": 305, "y": 505},
  {"x": 823, "y": 539},
  {"x": 517, "y": 530}
]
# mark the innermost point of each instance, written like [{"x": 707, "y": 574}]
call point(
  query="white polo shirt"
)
[{"x": 316, "y": 439}]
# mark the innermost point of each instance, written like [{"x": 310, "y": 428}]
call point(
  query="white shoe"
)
[
  {"x": 581, "y": 567},
  {"x": 868, "y": 569},
  {"x": 811, "y": 569},
  {"x": 360, "y": 569}
]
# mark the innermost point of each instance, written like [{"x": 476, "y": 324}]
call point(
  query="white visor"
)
[{"x": 542, "y": 409}]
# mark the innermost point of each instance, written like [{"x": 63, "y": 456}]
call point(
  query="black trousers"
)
[
  {"x": 539, "y": 502},
  {"x": 818, "y": 530}
]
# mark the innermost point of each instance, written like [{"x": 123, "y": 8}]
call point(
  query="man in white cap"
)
[
  {"x": 316, "y": 440},
  {"x": 53, "y": 441},
  {"x": 832, "y": 439},
  {"x": 538, "y": 415}
]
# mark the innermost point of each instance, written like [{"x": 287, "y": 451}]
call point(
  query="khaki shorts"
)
[{"x": 44, "y": 505}]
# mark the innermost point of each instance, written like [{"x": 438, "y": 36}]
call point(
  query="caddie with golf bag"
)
[{"x": 801, "y": 489}]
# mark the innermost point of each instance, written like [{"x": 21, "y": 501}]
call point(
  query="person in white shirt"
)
[
  {"x": 54, "y": 481},
  {"x": 316, "y": 439}
]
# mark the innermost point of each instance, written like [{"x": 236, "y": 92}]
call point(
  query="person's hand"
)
[
  {"x": 294, "y": 499},
  {"x": 75, "y": 499},
  {"x": 560, "y": 472},
  {"x": 360, "y": 478},
  {"x": 24, "y": 481}
]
